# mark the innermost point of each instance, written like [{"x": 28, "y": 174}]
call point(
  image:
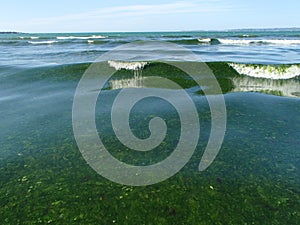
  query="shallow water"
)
[{"x": 255, "y": 179}]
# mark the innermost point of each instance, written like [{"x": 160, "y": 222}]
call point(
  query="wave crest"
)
[
  {"x": 267, "y": 71},
  {"x": 118, "y": 65},
  {"x": 41, "y": 42},
  {"x": 81, "y": 38}
]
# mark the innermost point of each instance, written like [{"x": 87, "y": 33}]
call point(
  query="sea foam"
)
[
  {"x": 259, "y": 41},
  {"x": 267, "y": 71},
  {"x": 41, "y": 42},
  {"x": 226, "y": 41},
  {"x": 118, "y": 65},
  {"x": 82, "y": 38}
]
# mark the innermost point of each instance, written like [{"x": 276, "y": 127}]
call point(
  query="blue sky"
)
[{"x": 154, "y": 15}]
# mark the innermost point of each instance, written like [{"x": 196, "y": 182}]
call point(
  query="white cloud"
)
[{"x": 115, "y": 14}]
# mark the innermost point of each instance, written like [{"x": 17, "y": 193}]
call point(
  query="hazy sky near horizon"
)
[{"x": 154, "y": 15}]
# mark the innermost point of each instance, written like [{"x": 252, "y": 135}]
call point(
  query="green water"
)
[{"x": 255, "y": 179}]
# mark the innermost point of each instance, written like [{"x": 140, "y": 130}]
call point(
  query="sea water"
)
[{"x": 255, "y": 178}]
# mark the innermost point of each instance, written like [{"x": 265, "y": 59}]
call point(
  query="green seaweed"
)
[{"x": 45, "y": 180}]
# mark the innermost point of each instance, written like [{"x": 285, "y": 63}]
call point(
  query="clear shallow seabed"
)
[{"x": 255, "y": 179}]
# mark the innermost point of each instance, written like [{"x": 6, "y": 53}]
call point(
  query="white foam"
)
[
  {"x": 127, "y": 65},
  {"x": 41, "y": 42},
  {"x": 32, "y": 38},
  {"x": 238, "y": 41},
  {"x": 137, "y": 81},
  {"x": 82, "y": 38},
  {"x": 259, "y": 41},
  {"x": 204, "y": 40},
  {"x": 267, "y": 71}
]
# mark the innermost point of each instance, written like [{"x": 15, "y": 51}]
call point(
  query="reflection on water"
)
[
  {"x": 288, "y": 88},
  {"x": 137, "y": 81}
]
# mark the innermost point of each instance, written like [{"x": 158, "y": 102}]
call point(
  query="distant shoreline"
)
[{"x": 10, "y": 32}]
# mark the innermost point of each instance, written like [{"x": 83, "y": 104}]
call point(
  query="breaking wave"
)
[
  {"x": 81, "y": 38},
  {"x": 118, "y": 65},
  {"x": 267, "y": 71},
  {"x": 237, "y": 41},
  {"x": 42, "y": 42}
]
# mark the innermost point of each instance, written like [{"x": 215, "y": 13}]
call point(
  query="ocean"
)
[{"x": 254, "y": 179}]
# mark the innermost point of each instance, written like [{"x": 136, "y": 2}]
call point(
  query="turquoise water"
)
[
  {"x": 255, "y": 178},
  {"x": 245, "y": 46}
]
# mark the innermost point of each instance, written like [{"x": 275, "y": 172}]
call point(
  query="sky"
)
[{"x": 139, "y": 16}]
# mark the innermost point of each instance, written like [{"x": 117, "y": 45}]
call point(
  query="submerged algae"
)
[{"x": 254, "y": 180}]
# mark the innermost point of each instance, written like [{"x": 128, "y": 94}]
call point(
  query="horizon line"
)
[{"x": 158, "y": 31}]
